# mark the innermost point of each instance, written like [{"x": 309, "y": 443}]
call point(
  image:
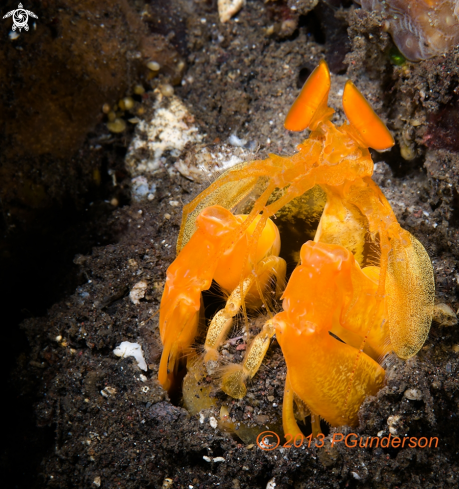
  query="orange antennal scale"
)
[
  {"x": 371, "y": 129},
  {"x": 312, "y": 98}
]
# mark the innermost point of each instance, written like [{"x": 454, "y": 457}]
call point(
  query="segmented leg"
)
[
  {"x": 222, "y": 321},
  {"x": 236, "y": 375},
  {"x": 288, "y": 418}
]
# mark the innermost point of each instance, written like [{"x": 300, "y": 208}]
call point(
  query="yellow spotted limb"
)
[
  {"x": 217, "y": 252},
  {"x": 410, "y": 295}
]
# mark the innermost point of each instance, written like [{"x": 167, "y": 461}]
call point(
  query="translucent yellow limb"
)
[
  {"x": 410, "y": 296},
  {"x": 235, "y": 376},
  {"x": 222, "y": 321},
  {"x": 315, "y": 424},
  {"x": 288, "y": 418}
]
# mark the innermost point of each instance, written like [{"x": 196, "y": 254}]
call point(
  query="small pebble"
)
[
  {"x": 117, "y": 126},
  {"x": 444, "y": 315},
  {"x": 126, "y": 103},
  {"x": 153, "y": 66},
  {"x": 139, "y": 90},
  {"x": 167, "y": 90},
  {"x": 228, "y": 8},
  {"x": 413, "y": 394}
]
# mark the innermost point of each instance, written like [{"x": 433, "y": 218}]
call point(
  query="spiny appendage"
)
[
  {"x": 255, "y": 284},
  {"x": 234, "y": 376},
  {"x": 175, "y": 347}
]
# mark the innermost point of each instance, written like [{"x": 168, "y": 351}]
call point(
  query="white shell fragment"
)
[
  {"x": 213, "y": 459},
  {"x": 235, "y": 141},
  {"x": 413, "y": 394},
  {"x": 138, "y": 292},
  {"x": 127, "y": 349},
  {"x": 168, "y": 130},
  {"x": 228, "y": 8},
  {"x": 444, "y": 315},
  {"x": 393, "y": 422},
  {"x": 271, "y": 483}
]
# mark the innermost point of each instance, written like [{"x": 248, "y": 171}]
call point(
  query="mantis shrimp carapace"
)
[{"x": 363, "y": 286}]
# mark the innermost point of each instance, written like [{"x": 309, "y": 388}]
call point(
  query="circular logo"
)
[
  {"x": 20, "y": 18},
  {"x": 263, "y": 440}
]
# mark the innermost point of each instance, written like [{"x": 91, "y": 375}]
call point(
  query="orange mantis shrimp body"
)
[
  {"x": 321, "y": 298},
  {"x": 363, "y": 287},
  {"x": 202, "y": 261}
]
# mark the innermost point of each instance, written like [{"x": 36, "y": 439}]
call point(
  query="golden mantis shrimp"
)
[{"x": 363, "y": 287}]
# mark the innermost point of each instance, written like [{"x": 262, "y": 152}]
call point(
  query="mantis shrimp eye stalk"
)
[
  {"x": 371, "y": 130},
  {"x": 311, "y": 103}
]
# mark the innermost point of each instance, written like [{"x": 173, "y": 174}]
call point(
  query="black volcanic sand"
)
[{"x": 82, "y": 417}]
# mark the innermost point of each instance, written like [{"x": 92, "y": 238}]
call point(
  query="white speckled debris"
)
[
  {"x": 200, "y": 163},
  {"x": 170, "y": 127},
  {"x": 413, "y": 394},
  {"x": 394, "y": 423},
  {"x": 127, "y": 349},
  {"x": 228, "y": 8},
  {"x": 444, "y": 315},
  {"x": 271, "y": 484},
  {"x": 213, "y": 459},
  {"x": 138, "y": 292}
]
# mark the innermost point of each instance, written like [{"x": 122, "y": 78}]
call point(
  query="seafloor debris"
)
[
  {"x": 228, "y": 8},
  {"x": 421, "y": 29},
  {"x": 444, "y": 315},
  {"x": 138, "y": 292},
  {"x": 128, "y": 349},
  {"x": 169, "y": 129}
]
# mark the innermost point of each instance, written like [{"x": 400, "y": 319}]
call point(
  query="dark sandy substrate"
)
[{"x": 102, "y": 422}]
